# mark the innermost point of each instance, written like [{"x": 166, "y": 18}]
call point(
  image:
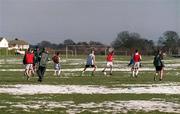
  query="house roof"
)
[
  {"x": 1, "y": 38},
  {"x": 18, "y": 42}
]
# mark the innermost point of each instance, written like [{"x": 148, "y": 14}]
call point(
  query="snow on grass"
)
[
  {"x": 149, "y": 85},
  {"x": 3, "y": 107},
  {"x": 177, "y": 73},
  {"x": 106, "y": 106},
  {"x": 21, "y": 89}
]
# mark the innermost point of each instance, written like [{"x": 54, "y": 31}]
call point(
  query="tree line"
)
[{"x": 126, "y": 41}]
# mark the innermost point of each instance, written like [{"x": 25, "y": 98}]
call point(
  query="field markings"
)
[{"x": 21, "y": 89}]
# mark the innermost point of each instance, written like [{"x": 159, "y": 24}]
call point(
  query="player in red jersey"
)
[
  {"x": 109, "y": 60},
  {"x": 136, "y": 59},
  {"x": 29, "y": 61}
]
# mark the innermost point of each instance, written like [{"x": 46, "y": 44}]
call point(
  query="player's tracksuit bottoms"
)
[{"x": 41, "y": 70}]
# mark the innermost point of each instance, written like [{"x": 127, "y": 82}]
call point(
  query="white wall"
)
[
  {"x": 25, "y": 46},
  {"x": 3, "y": 43},
  {"x": 19, "y": 47}
]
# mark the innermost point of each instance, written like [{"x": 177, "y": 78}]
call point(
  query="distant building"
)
[
  {"x": 18, "y": 44},
  {"x": 3, "y": 42}
]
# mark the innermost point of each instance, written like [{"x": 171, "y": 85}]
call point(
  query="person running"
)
[
  {"x": 36, "y": 57},
  {"x": 90, "y": 62},
  {"x": 109, "y": 60},
  {"x": 131, "y": 61},
  {"x": 135, "y": 67},
  {"x": 43, "y": 59},
  {"x": 159, "y": 65},
  {"x": 28, "y": 60},
  {"x": 57, "y": 65}
]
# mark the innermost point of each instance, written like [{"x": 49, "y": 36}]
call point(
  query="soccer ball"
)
[
  {"x": 104, "y": 73},
  {"x": 110, "y": 49}
]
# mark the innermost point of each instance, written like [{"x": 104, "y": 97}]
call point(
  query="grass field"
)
[{"x": 74, "y": 94}]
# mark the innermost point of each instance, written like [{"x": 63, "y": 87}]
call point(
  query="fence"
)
[{"x": 74, "y": 51}]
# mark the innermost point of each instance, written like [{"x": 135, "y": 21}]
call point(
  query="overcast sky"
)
[{"x": 85, "y": 20}]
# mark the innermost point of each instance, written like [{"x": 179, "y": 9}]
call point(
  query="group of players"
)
[
  {"x": 36, "y": 61},
  {"x": 135, "y": 62}
]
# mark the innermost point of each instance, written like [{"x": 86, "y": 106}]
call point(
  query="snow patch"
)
[
  {"x": 21, "y": 89},
  {"x": 3, "y": 107},
  {"x": 106, "y": 106}
]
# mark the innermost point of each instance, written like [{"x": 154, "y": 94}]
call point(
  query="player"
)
[
  {"x": 135, "y": 67},
  {"x": 57, "y": 65},
  {"x": 90, "y": 62},
  {"x": 131, "y": 62},
  {"x": 36, "y": 56},
  {"x": 109, "y": 60},
  {"x": 43, "y": 59},
  {"x": 28, "y": 60},
  {"x": 159, "y": 65}
]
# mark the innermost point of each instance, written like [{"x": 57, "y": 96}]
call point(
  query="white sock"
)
[
  {"x": 133, "y": 73},
  {"x": 59, "y": 72},
  {"x": 55, "y": 72},
  {"x": 137, "y": 72}
]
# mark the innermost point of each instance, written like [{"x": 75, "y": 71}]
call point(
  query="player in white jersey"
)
[{"x": 90, "y": 62}]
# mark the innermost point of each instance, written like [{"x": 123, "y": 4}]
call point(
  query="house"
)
[
  {"x": 18, "y": 44},
  {"x": 3, "y": 42}
]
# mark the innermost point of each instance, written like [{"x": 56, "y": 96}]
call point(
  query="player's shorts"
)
[
  {"x": 159, "y": 68},
  {"x": 57, "y": 66},
  {"x": 109, "y": 64},
  {"x": 87, "y": 66},
  {"x": 136, "y": 65},
  {"x": 29, "y": 66}
]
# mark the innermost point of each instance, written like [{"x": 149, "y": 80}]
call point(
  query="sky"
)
[{"x": 85, "y": 20}]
